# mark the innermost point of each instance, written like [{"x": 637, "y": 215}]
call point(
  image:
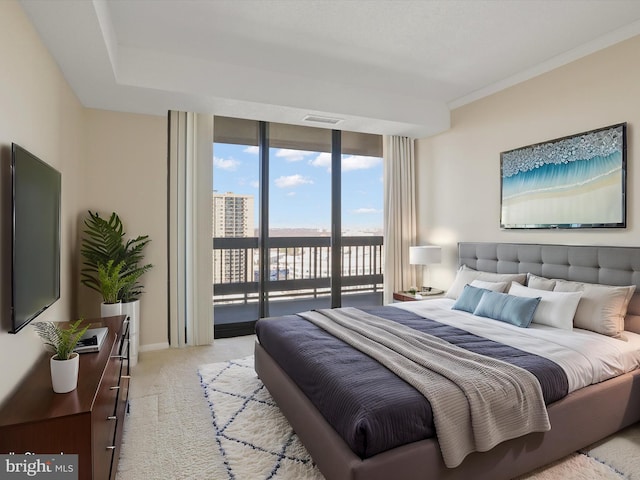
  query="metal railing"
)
[{"x": 299, "y": 267}]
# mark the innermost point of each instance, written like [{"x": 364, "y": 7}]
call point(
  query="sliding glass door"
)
[
  {"x": 236, "y": 213},
  {"x": 283, "y": 183},
  {"x": 299, "y": 219},
  {"x": 362, "y": 177}
]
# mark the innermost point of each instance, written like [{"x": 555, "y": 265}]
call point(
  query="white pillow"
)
[
  {"x": 541, "y": 283},
  {"x": 555, "y": 309},
  {"x": 602, "y": 308},
  {"x": 493, "y": 286},
  {"x": 466, "y": 275}
]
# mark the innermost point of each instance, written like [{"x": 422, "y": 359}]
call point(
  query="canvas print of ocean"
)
[{"x": 571, "y": 182}]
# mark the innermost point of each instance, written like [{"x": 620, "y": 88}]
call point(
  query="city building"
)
[{"x": 233, "y": 217}]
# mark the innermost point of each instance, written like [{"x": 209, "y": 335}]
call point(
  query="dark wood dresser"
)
[{"x": 87, "y": 421}]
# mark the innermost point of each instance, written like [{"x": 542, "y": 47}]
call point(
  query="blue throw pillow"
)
[
  {"x": 469, "y": 298},
  {"x": 507, "y": 308}
]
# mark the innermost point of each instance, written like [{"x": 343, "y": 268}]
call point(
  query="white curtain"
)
[
  {"x": 400, "y": 231},
  {"x": 190, "y": 157}
]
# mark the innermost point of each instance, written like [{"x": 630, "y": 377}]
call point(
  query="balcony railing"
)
[{"x": 299, "y": 267}]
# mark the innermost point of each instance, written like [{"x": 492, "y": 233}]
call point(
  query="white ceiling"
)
[{"x": 382, "y": 66}]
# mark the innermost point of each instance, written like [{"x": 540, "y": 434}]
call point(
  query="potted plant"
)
[
  {"x": 103, "y": 241},
  {"x": 65, "y": 362},
  {"x": 111, "y": 282}
]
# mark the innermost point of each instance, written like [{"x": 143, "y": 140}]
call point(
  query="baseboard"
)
[{"x": 150, "y": 347}]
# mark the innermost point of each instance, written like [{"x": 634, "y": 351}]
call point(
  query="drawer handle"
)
[
  {"x": 118, "y": 356},
  {"x": 111, "y": 447},
  {"x": 126, "y": 376},
  {"x": 114, "y": 388},
  {"x": 112, "y": 417}
]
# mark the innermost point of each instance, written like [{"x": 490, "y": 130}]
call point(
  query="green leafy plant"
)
[
  {"x": 103, "y": 241},
  {"x": 61, "y": 340},
  {"x": 134, "y": 267},
  {"x": 112, "y": 281}
]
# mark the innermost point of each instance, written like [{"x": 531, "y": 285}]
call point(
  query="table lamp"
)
[{"x": 425, "y": 255}]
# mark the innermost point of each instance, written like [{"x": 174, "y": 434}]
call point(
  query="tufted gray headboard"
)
[{"x": 581, "y": 263}]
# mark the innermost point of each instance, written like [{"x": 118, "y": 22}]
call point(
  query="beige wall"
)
[
  {"x": 459, "y": 171},
  {"x": 38, "y": 111},
  {"x": 109, "y": 162},
  {"x": 126, "y": 173}
]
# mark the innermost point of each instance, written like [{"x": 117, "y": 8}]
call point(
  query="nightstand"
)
[{"x": 420, "y": 295}]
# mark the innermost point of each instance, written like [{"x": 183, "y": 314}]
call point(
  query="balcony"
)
[{"x": 300, "y": 277}]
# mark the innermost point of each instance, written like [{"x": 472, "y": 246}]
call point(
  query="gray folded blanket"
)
[{"x": 477, "y": 401}]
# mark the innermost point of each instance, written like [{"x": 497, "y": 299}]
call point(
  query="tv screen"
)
[{"x": 35, "y": 272}]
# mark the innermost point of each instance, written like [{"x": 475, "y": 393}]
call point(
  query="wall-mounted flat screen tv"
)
[{"x": 35, "y": 272}]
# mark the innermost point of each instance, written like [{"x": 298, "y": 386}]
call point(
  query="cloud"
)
[
  {"x": 322, "y": 160},
  {"x": 291, "y": 194},
  {"x": 350, "y": 163},
  {"x": 229, "y": 164},
  {"x": 292, "y": 155},
  {"x": 366, "y": 210},
  {"x": 359, "y": 162},
  {"x": 254, "y": 150},
  {"x": 254, "y": 184},
  {"x": 291, "y": 181}
]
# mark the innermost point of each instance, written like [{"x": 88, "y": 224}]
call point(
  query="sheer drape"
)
[
  {"x": 190, "y": 250},
  {"x": 400, "y": 229}
]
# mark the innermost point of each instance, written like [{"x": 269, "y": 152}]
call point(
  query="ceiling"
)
[{"x": 380, "y": 66}]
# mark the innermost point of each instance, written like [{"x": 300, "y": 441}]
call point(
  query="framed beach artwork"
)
[{"x": 577, "y": 181}]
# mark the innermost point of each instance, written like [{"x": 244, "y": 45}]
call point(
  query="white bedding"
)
[{"x": 586, "y": 357}]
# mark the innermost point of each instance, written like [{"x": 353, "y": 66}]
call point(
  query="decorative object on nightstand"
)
[
  {"x": 426, "y": 255},
  {"x": 412, "y": 296},
  {"x": 405, "y": 296}
]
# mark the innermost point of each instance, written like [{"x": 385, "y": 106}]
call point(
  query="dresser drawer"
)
[{"x": 104, "y": 418}]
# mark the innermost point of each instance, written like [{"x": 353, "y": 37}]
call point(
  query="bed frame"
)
[{"x": 573, "y": 419}]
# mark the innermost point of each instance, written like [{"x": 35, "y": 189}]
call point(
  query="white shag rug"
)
[{"x": 245, "y": 437}]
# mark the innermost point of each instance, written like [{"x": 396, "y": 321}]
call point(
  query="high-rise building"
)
[{"x": 232, "y": 217}]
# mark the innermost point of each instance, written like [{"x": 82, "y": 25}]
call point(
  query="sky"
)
[{"x": 300, "y": 186}]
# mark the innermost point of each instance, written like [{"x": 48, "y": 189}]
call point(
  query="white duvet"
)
[{"x": 586, "y": 357}]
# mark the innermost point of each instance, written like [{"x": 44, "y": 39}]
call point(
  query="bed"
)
[{"x": 578, "y": 419}]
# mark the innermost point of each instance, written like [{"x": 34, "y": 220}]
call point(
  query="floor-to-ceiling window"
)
[
  {"x": 297, "y": 221},
  {"x": 362, "y": 218}
]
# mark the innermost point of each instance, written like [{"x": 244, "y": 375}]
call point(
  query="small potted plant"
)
[
  {"x": 111, "y": 282},
  {"x": 65, "y": 362}
]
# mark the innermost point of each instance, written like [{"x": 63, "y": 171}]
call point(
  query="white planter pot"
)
[
  {"x": 110, "y": 309},
  {"x": 64, "y": 373},
  {"x": 132, "y": 310}
]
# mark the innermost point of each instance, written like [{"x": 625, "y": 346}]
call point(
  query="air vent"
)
[{"x": 321, "y": 119}]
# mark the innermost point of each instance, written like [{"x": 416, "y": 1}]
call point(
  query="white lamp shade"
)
[{"x": 425, "y": 255}]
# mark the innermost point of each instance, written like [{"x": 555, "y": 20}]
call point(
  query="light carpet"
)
[{"x": 243, "y": 436}]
